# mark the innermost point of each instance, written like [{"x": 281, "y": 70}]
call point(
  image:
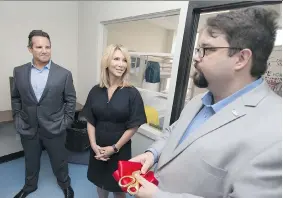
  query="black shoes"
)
[
  {"x": 22, "y": 194},
  {"x": 68, "y": 192}
]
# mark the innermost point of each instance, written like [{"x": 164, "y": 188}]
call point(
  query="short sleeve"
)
[
  {"x": 137, "y": 113},
  {"x": 87, "y": 109}
]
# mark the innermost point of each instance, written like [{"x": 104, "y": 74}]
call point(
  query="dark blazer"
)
[{"x": 55, "y": 110}]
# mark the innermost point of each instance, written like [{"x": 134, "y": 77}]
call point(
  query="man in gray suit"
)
[
  {"x": 227, "y": 143},
  {"x": 43, "y": 104}
]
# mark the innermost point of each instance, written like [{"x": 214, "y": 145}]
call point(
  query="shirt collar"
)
[
  {"x": 45, "y": 67},
  {"x": 207, "y": 99}
]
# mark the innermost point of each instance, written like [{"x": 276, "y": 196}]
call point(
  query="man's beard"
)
[{"x": 199, "y": 80}]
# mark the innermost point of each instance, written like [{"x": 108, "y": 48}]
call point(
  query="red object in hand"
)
[{"x": 124, "y": 175}]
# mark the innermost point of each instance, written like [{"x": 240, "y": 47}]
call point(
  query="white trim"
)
[
  {"x": 103, "y": 32},
  {"x": 142, "y": 17},
  {"x": 176, "y": 57},
  {"x": 149, "y": 131},
  {"x": 100, "y": 46},
  {"x": 175, "y": 64},
  {"x": 217, "y": 12},
  {"x": 154, "y": 54},
  {"x": 154, "y": 92}
]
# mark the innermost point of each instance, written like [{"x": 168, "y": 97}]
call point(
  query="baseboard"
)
[{"x": 12, "y": 156}]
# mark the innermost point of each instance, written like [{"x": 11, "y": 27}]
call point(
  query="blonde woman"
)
[{"x": 114, "y": 110}]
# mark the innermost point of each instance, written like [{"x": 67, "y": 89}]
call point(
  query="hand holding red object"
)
[{"x": 125, "y": 176}]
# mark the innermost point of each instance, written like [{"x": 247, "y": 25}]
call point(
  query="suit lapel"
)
[
  {"x": 49, "y": 81},
  {"x": 187, "y": 115},
  {"x": 28, "y": 76},
  {"x": 228, "y": 114},
  {"x": 225, "y": 116}
]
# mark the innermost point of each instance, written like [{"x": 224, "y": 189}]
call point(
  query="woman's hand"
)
[
  {"x": 105, "y": 152},
  {"x": 95, "y": 149},
  {"x": 98, "y": 152}
]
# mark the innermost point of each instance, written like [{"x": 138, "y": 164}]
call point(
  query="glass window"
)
[{"x": 151, "y": 43}]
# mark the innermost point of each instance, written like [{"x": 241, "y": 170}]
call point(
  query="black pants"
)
[{"x": 57, "y": 152}]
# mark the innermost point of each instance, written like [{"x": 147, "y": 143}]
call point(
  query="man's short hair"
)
[
  {"x": 253, "y": 28},
  {"x": 37, "y": 33}
]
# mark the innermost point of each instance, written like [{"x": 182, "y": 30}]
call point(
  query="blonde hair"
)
[{"x": 106, "y": 61}]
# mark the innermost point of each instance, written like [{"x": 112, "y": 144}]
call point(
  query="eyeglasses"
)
[{"x": 202, "y": 51}]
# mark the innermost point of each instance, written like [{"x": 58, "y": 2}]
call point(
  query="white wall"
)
[
  {"x": 140, "y": 36},
  {"x": 17, "y": 19},
  {"x": 76, "y": 33},
  {"x": 170, "y": 40},
  {"x": 91, "y": 14}
]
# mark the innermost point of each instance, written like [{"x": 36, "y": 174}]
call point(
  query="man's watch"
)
[{"x": 115, "y": 148}]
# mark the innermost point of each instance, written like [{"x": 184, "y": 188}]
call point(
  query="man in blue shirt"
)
[
  {"x": 43, "y": 104},
  {"x": 227, "y": 142}
]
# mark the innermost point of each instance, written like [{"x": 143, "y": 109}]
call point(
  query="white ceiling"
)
[{"x": 171, "y": 22}]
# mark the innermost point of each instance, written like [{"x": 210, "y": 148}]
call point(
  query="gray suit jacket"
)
[
  {"x": 55, "y": 110},
  {"x": 236, "y": 153}
]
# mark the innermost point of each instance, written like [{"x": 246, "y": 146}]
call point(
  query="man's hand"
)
[
  {"x": 146, "y": 159},
  {"x": 147, "y": 189}
]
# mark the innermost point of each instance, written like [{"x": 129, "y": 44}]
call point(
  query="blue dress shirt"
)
[
  {"x": 209, "y": 109},
  {"x": 39, "y": 78}
]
